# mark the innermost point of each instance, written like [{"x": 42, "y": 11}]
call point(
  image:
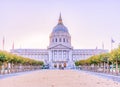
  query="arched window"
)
[
  {"x": 59, "y": 39},
  {"x": 63, "y": 39},
  {"x": 56, "y": 40}
]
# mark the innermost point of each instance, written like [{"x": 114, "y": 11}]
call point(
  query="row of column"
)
[
  {"x": 60, "y": 55},
  {"x": 70, "y": 62}
]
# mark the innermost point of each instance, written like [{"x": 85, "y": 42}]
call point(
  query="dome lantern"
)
[
  {"x": 60, "y": 19},
  {"x": 60, "y": 26}
]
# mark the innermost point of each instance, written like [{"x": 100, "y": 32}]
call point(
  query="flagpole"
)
[
  {"x": 13, "y": 46},
  {"x": 3, "y": 43},
  {"x": 111, "y": 44},
  {"x": 102, "y": 45},
  {"x": 112, "y": 41}
]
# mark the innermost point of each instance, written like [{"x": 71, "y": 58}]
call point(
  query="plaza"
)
[{"x": 57, "y": 78}]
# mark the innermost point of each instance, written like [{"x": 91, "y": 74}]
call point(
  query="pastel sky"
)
[{"x": 28, "y": 23}]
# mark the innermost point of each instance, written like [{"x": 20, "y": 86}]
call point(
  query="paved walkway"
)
[
  {"x": 103, "y": 75},
  {"x": 15, "y": 74},
  {"x": 57, "y": 78}
]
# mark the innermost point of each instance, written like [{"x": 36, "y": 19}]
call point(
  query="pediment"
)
[{"x": 60, "y": 46}]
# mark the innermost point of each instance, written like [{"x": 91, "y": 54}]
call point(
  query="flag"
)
[{"x": 112, "y": 41}]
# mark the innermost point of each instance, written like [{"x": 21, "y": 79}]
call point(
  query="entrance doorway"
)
[
  {"x": 55, "y": 65},
  {"x": 64, "y": 65},
  {"x": 60, "y": 65}
]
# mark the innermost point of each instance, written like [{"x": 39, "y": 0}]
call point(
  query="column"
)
[
  {"x": 50, "y": 58},
  {"x": 67, "y": 55},
  {"x": 71, "y": 63},
  {"x": 62, "y": 54}
]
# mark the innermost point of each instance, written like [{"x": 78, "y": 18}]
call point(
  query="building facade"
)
[{"x": 59, "y": 53}]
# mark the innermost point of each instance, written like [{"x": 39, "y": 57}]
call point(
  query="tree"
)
[{"x": 115, "y": 55}]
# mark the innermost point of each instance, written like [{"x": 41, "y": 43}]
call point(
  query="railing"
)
[{"x": 98, "y": 69}]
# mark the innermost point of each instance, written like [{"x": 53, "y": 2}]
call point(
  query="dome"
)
[{"x": 60, "y": 27}]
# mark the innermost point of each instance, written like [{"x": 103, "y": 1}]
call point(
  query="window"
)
[
  {"x": 64, "y": 52},
  {"x": 55, "y": 52},
  {"x": 52, "y": 40},
  {"x": 56, "y": 40},
  {"x": 60, "y": 52},
  {"x": 59, "y": 39},
  {"x": 63, "y": 39},
  {"x": 67, "y": 40}
]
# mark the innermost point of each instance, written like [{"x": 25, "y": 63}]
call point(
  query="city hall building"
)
[{"x": 59, "y": 53}]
